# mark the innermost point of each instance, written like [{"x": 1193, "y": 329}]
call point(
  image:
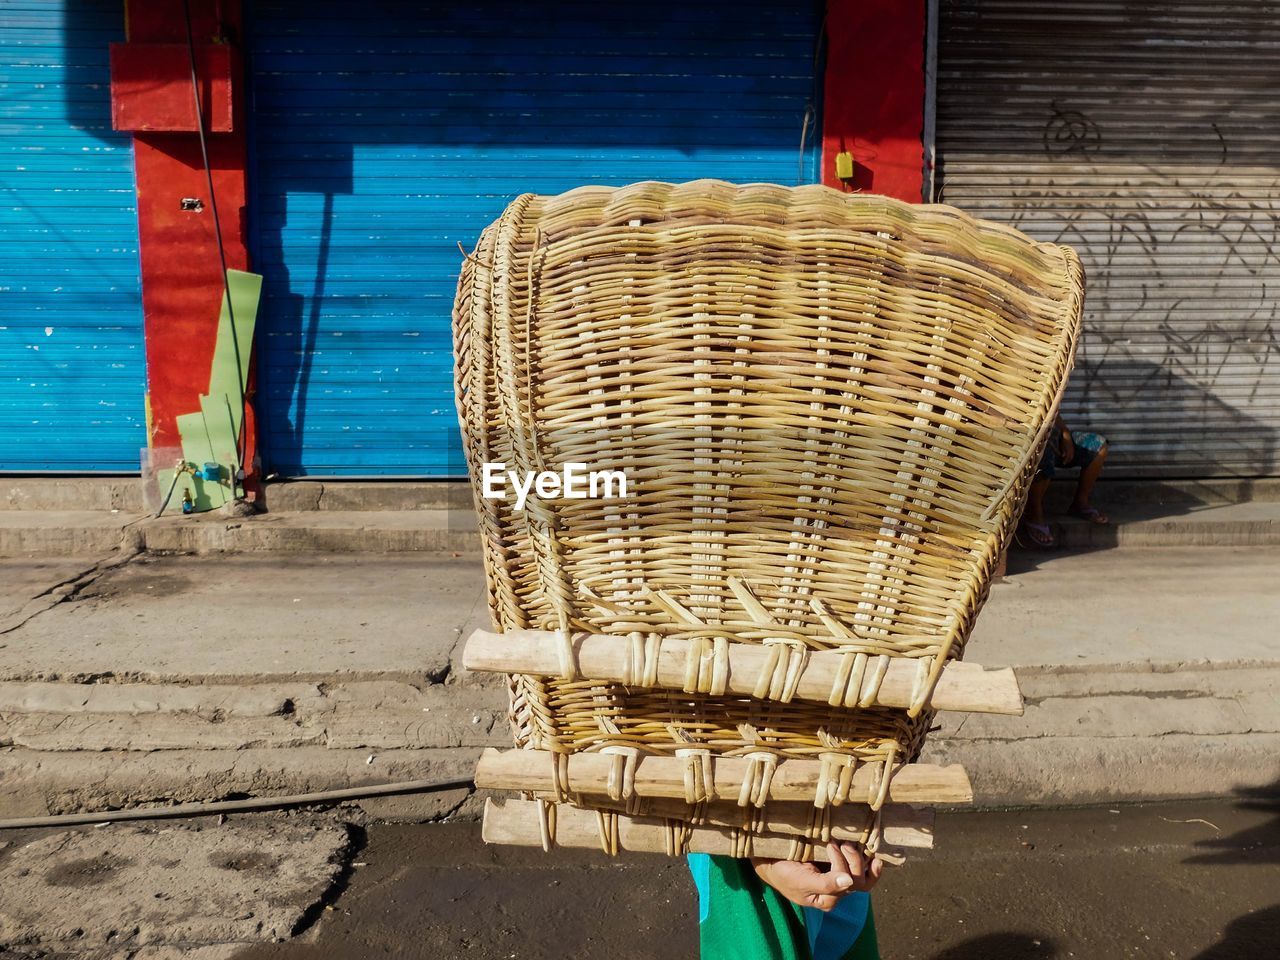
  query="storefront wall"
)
[
  {"x": 386, "y": 134},
  {"x": 72, "y": 365},
  {"x": 1147, "y": 136}
]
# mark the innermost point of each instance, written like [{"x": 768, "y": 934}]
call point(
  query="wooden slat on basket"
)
[
  {"x": 899, "y": 825},
  {"x": 962, "y": 686},
  {"x": 519, "y": 823},
  {"x": 659, "y": 776}
]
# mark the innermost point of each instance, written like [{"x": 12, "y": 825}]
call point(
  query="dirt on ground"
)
[{"x": 1195, "y": 880}]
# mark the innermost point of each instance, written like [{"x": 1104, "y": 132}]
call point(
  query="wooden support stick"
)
[
  {"x": 588, "y": 773},
  {"x": 516, "y": 822},
  {"x": 903, "y": 826},
  {"x": 962, "y": 686}
]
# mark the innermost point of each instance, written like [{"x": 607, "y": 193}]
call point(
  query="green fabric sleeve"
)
[{"x": 744, "y": 918}]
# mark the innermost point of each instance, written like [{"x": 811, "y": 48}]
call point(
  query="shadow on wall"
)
[
  {"x": 386, "y": 135},
  {"x": 1181, "y": 423},
  {"x": 86, "y": 76}
]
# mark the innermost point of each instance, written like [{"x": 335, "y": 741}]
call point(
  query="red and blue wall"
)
[{"x": 352, "y": 148}]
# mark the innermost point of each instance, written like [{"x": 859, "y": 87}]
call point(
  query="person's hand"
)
[{"x": 809, "y": 885}]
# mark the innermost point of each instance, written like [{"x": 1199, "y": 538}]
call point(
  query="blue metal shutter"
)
[
  {"x": 388, "y": 132},
  {"x": 72, "y": 367}
]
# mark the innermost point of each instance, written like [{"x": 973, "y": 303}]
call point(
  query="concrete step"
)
[
  {"x": 202, "y": 741},
  {"x": 317, "y": 531},
  {"x": 26, "y": 533},
  {"x": 1087, "y": 737},
  {"x": 38, "y": 782},
  {"x": 1169, "y": 493},
  {"x": 127, "y": 495},
  {"x": 53, "y": 517},
  {"x": 295, "y": 496},
  {"x": 58, "y": 717},
  {"x": 65, "y": 533},
  {"x": 130, "y": 494},
  {"x": 83, "y": 533},
  {"x": 124, "y": 494},
  {"x": 1250, "y": 524},
  {"x": 1127, "y": 732}
]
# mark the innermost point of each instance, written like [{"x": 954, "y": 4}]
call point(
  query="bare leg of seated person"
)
[
  {"x": 1089, "y": 472},
  {"x": 1035, "y": 526}
]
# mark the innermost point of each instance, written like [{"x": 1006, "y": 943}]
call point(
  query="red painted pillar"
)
[
  {"x": 873, "y": 96},
  {"x": 182, "y": 282}
]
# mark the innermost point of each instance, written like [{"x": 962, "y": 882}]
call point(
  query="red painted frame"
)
[
  {"x": 873, "y": 96},
  {"x": 182, "y": 282}
]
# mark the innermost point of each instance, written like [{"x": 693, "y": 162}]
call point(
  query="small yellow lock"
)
[{"x": 844, "y": 165}]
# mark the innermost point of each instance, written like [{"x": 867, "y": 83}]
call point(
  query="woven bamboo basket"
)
[{"x": 827, "y": 408}]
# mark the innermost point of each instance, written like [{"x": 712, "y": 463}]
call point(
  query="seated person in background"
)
[{"x": 1088, "y": 451}]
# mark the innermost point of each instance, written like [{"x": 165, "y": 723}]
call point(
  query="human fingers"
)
[
  {"x": 825, "y": 904},
  {"x": 854, "y": 858},
  {"x": 841, "y": 872},
  {"x": 871, "y": 875},
  {"x": 876, "y": 868}
]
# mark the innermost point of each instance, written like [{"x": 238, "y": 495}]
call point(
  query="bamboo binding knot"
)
[
  {"x": 835, "y": 778},
  {"x": 547, "y": 824},
  {"x": 568, "y": 659},
  {"x": 818, "y": 826},
  {"x": 853, "y": 687},
  {"x": 621, "y": 784},
  {"x": 740, "y": 847},
  {"x": 677, "y": 837},
  {"x": 699, "y": 774},
  {"x": 802, "y": 848},
  {"x": 922, "y": 686},
  {"x": 761, "y": 766},
  {"x": 560, "y": 776},
  {"x": 641, "y": 668},
  {"x": 706, "y": 666},
  {"x": 873, "y": 832},
  {"x": 607, "y": 826},
  {"x": 781, "y": 673},
  {"x": 883, "y": 775}
]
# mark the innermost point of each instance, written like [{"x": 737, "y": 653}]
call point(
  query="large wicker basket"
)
[{"x": 827, "y": 408}]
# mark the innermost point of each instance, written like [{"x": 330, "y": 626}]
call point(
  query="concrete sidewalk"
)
[
  {"x": 1149, "y": 674},
  {"x": 88, "y": 517}
]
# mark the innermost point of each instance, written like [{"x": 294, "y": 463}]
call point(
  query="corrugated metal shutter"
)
[
  {"x": 72, "y": 367},
  {"x": 1146, "y": 135},
  {"x": 388, "y": 132}
]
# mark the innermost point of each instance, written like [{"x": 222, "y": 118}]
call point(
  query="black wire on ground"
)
[
  {"x": 236, "y": 806},
  {"x": 222, "y": 251}
]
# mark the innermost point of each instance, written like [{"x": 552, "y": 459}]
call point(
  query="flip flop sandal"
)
[
  {"x": 1093, "y": 515},
  {"x": 1038, "y": 535}
]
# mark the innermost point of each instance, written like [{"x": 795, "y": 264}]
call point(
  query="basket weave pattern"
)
[{"x": 828, "y": 408}]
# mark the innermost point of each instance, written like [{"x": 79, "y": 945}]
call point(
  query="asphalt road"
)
[{"x": 1197, "y": 880}]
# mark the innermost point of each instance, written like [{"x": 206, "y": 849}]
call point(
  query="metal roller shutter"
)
[
  {"x": 387, "y": 132},
  {"x": 1147, "y": 136},
  {"x": 72, "y": 366}
]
